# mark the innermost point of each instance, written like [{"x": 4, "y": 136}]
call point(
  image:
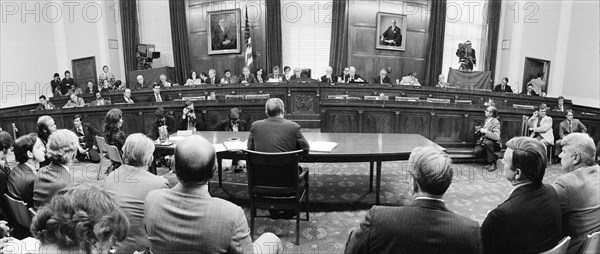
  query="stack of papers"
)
[
  {"x": 322, "y": 146},
  {"x": 234, "y": 146}
]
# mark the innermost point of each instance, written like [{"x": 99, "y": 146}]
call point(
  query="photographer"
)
[
  {"x": 466, "y": 56},
  {"x": 189, "y": 120},
  {"x": 162, "y": 119},
  {"x": 489, "y": 138}
]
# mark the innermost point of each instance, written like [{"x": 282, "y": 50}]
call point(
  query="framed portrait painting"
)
[
  {"x": 391, "y": 31},
  {"x": 224, "y": 32}
]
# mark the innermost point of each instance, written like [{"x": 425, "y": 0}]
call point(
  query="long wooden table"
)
[{"x": 374, "y": 148}]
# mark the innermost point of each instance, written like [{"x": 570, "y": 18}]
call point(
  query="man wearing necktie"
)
[
  {"x": 212, "y": 77},
  {"x": 561, "y": 106},
  {"x": 247, "y": 77},
  {"x": 86, "y": 133},
  {"x": 157, "y": 95},
  {"x": 568, "y": 126},
  {"x": 329, "y": 77},
  {"x": 383, "y": 78},
  {"x": 229, "y": 79}
]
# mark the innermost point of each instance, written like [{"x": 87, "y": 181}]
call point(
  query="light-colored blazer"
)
[
  {"x": 186, "y": 219},
  {"x": 545, "y": 128},
  {"x": 579, "y": 197},
  {"x": 129, "y": 186},
  {"x": 493, "y": 127}
]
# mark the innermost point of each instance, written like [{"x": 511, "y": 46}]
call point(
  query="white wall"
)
[
  {"x": 155, "y": 28},
  {"x": 558, "y": 31},
  {"x": 40, "y": 38}
]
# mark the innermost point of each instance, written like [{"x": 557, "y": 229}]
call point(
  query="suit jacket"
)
[
  {"x": 232, "y": 80},
  {"x": 100, "y": 102},
  {"x": 56, "y": 86},
  {"x": 198, "y": 123},
  {"x": 225, "y": 125},
  {"x": 294, "y": 77},
  {"x": 334, "y": 79},
  {"x": 576, "y": 127},
  {"x": 130, "y": 186},
  {"x": 89, "y": 132},
  {"x": 426, "y": 226},
  {"x": 49, "y": 105},
  {"x": 66, "y": 85},
  {"x": 138, "y": 86},
  {"x": 199, "y": 222},
  {"x": 92, "y": 92},
  {"x": 533, "y": 93},
  {"x": 343, "y": 78},
  {"x": 250, "y": 79},
  {"x": 281, "y": 77},
  {"x": 70, "y": 104},
  {"x": 276, "y": 134},
  {"x": 171, "y": 127},
  {"x": 545, "y": 129},
  {"x": 507, "y": 89},
  {"x": 20, "y": 183},
  {"x": 48, "y": 181},
  {"x": 493, "y": 131},
  {"x": 354, "y": 79},
  {"x": 122, "y": 100},
  {"x": 579, "y": 198},
  {"x": 211, "y": 82},
  {"x": 529, "y": 221},
  {"x": 557, "y": 108},
  {"x": 163, "y": 96},
  {"x": 386, "y": 80}
]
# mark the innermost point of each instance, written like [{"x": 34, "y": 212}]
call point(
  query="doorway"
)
[{"x": 533, "y": 66}]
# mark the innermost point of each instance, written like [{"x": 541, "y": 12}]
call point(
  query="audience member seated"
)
[
  {"x": 105, "y": 75},
  {"x": 157, "y": 96},
  {"x": 568, "y": 126},
  {"x": 79, "y": 219},
  {"x": 297, "y": 74},
  {"x": 287, "y": 73},
  {"x": 140, "y": 84},
  {"x": 61, "y": 150},
  {"x": 86, "y": 134},
  {"x": 560, "y": 107},
  {"x": 504, "y": 87},
  {"x": 75, "y": 90},
  {"x": 56, "y": 85},
  {"x": 489, "y": 138},
  {"x": 410, "y": 80},
  {"x": 193, "y": 80},
  {"x": 353, "y": 77},
  {"x": 537, "y": 83},
  {"x": 247, "y": 77},
  {"x": 163, "y": 81},
  {"x": 190, "y": 120},
  {"x": 198, "y": 221},
  {"x": 29, "y": 152},
  {"x": 408, "y": 229},
  {"x": 260, "y": 75},
  {"x": 129, "y": 185},
  {"x": 212, "y": 77},
  {"x": 127, "y": 98},
  {"x": 162, "y": 119},
  {"x": 203, "y": 77},
  {"x": 329, "y": 77},
  {"x": 233, "y": 123},
  {"x": 229, "y": 79},
  {"x": 120, "y": 86},
  {"x": 45, "y": 127},
  {"x": 276, "y": 134},
  {"x": 74, "y": 101},
  {"x": 44, "y": 104},
  {"x": 6, "y": 143},
  {"x": 90, "y": 89},
  {"x": 67, "y": 83},
  {"x": 541, "y": 128},
  {"x": 343, "y": 78},
  {"x": 529, "y": 221},
  {"x": 383, "y": 78},
  {"x": 105, "y": 86},
  {"x": 530, "y": 91},
  {"x": 441, "y": 83},
  {"x": 578, "y": 190},
  {"x": 99, "y": 101},
  {"x": 275, "y": 76}
]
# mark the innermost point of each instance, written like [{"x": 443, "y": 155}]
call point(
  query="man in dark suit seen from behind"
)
[
  {"x": 190, "y": 120},
  {"x": 530, "y": 91},
  {"x": 157, "y": 96},
  {"x": 188, "y": 212},
  {"x": 504, "y": 87},
  {"x": 426, "y": 225},
  {"x": 383, "y": 78},
  {"x": 329, "y": 77},
  {"x": 29, "y": 151},
  {"x": 86, "y": 133}
]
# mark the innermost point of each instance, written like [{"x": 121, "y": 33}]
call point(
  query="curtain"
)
[
  {"x": 493, "y": 29},
  {"x": 130, "y": 30},
  {"x": 435, "y": 42},
  {"x": 338, "y": 56},
  {"x": 179, "y": 35},
  {"x": 273, "y": 35}
]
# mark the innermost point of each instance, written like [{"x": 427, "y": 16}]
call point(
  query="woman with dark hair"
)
[
  {"x": 45, "y": 127},
  {"x": 113, "y": 121},
  {"x": 79, "y": 219},
  {"x": 260, "y": 76},
  {"x": 530, "y": 220},
  {"x": 193, "y": 80}
]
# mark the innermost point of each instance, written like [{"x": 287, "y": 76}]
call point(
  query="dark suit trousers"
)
[{"x": 486, "y": 150}]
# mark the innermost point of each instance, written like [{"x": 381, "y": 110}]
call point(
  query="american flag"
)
[{"x": 248, "y": 55}]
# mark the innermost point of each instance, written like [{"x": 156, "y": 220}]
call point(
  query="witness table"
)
[{"x": 351, "y": 147}]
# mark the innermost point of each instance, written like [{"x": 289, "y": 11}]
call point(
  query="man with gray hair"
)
[
  {"x": 578, "y": 190},
  {"x": 383, "y": 78},
  {"x": 140, "y": 84},
  {"x": 247, "y": 77},
  {"x": 408, "y": 229},
  {"x": 297, "y": 74},
  {"x": 329, "y": 77},
  {"x": 354, "y": 77}
]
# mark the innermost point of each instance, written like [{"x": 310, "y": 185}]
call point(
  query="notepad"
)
[
  {"x": 234, "y": 146},
  {"x": 219, "y": 148},
  {"x": 322, "y": 146}
]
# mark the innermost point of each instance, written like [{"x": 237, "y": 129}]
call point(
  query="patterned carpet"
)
[{"x": 340, "y": 198}]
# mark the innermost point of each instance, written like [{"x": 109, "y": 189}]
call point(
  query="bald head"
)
[{"x": 195, "y": 160}]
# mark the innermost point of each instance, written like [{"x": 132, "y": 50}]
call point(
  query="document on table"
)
[
  {"x": 234, "y": 146},
  {"x": 219, "y": 147},
  {"x": 322, "y": 146}
]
